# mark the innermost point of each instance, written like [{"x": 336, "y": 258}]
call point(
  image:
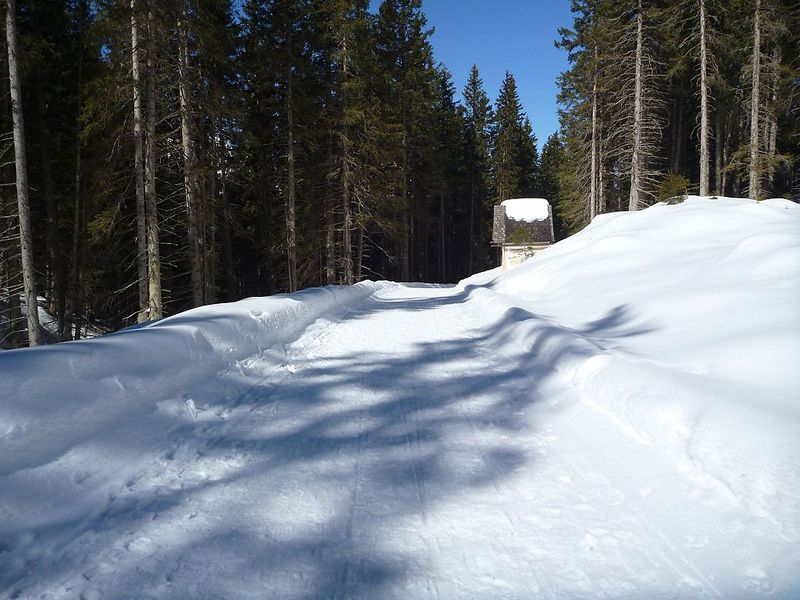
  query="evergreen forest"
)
[{"x": 159, "y": 156}]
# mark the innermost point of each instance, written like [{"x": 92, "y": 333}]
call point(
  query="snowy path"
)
[{"x": 402, "y": 450}]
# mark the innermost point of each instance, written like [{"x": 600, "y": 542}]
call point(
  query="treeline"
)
[
  {"x": 182, "y": 153},
  {"x": 665, "y": 96}
]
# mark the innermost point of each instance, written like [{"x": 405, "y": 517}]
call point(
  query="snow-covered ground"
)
[{"x": 618, "y": 417}]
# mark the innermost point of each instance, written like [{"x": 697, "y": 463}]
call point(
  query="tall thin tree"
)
[
  {"x": 138, "y": 166},
  {"x": 704, "y": 157},
  {"x": 190, "y": 163},
  {"x": 755, "y": 171},
  {"x": 35, "y": 337},
  {"x": 155, "y": 306},
  {"x": 637, "y": 153}
]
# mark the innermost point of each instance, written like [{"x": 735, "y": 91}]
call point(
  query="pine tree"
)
[
  {"x": 479, "y": 123},
  {"x": 506, "y": 163},
  {"x": 515, "y": 155}
]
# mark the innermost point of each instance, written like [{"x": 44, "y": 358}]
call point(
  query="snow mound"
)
[
  {"x": 54, "y": 397},
  {"x": 681, "y": 324},
  {"x": 527, "y": 209}
]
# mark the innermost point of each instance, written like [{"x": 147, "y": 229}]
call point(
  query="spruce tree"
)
[
  {"x": 515, "y": 159},
  {"x": 478, "y": 127}
]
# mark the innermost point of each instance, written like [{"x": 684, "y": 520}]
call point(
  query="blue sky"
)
[{"x": 500, "y": 36}]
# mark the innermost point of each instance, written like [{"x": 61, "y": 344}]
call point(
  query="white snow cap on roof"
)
[{"x": 527, "y": 209}]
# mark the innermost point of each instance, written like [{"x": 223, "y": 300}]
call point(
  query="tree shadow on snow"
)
[{"x": 419, "y": 433}]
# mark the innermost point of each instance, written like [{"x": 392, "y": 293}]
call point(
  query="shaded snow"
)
[
  {"x": 616, "y": 417},
  {"x": 527, "y": 209}
]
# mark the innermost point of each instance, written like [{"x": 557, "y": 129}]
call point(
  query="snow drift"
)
[
  {"x": 681, "y": 322},
  {"x": 56, "y": 396}
]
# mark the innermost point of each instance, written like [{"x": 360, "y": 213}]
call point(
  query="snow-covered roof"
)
[
  {"x": 522, "y": 221},
  {"x": 527, "y": 209}
]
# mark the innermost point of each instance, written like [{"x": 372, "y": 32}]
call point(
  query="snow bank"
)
[
  {"x": 54, "y": 397},
  {"x": 527, "y": 209},
  {"x": 681, "y": 323}
]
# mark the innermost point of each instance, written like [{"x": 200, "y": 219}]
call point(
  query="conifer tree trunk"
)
[
  {"x": 405, "y": 242},
  {"x": 772, "y": 133},
  {"x": 208, "y": 235},
  {"x": 330, "y": 233},
  {"x": 330, "y": 243},
  {"x": 190, "y": 165},
  {"x": 755, "y": 183},
  {"x": 601, "y": 197},
  {"x": 155, "y": 307},
  {"x": 347, "y": 224},
  {"x": 443, "y": 264},
  {"x": 291, "y": 234},
  {"x": 23, "y": 205},
  {"x": 55, "y": 270},
  {"x": 359, "y": 258},
  {"x": 725, "y": 152},
  {"x": 719, "y": 136},
  {"x": 471, "y": 236},
  {"x": 227, "y": 239},
  {"x": 77, "y": 211},
  {"x": 593, "y": 176},
  {"x": 704, "y": 158},
  {"x": 138, "y": 153},
  {"x": 636, "y": 157}
]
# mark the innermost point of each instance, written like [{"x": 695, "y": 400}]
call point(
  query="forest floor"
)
[{"x": 412, "y": 441}]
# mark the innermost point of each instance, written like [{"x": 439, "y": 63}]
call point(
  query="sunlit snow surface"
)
[{"x": 618, "y": 417}]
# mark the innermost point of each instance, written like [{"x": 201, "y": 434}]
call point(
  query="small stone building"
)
[{"x": 522, "y": 227}]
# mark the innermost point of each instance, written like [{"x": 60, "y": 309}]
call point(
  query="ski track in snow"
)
[
  {"x": 416, "y": 441},
  {"x": 420, "y": 462}
]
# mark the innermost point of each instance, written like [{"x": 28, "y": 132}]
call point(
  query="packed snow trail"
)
[{"x": 402, "y": 441}]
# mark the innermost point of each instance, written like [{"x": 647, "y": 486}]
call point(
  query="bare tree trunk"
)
[
  {"x": 471, "y": 237},
  {"x": 155, "y": 306},
  {"x": 719, "y": 138},
  {"x": 291, "y": 233},
  {"x": 138, "y": 153},
  {"x": 772, "y": 133},
  {"x": 330, "y": 243},
  {"x": 55, "y": 267},
  {"x": 442, "y": 241},
  {"x": 636, "y": 157},
  {"x": 359, "y": 261},
  {"x": 405, "y": 242},
  {"x": 601, "y": 195},
  {"x": 77, "y": 213},
  {"x": 725, "y": 152},
  {"x": 190, "y": 164},
  {"x": 347, "y": 223},
  {"x": 25, "y": 231},
  {"x": 755, "y": 183},
  {"x": 227, "y": 240},
  {"x": 593, "y": 175},
  {"x": 10, "y": 268},
  {"x": 208, "y": 237},
  {"x": 704, "y": 158}
]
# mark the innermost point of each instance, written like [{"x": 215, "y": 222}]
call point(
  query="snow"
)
[
  {"x": 527, "y": 209},
  {"x": 617, "y": 417}
]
